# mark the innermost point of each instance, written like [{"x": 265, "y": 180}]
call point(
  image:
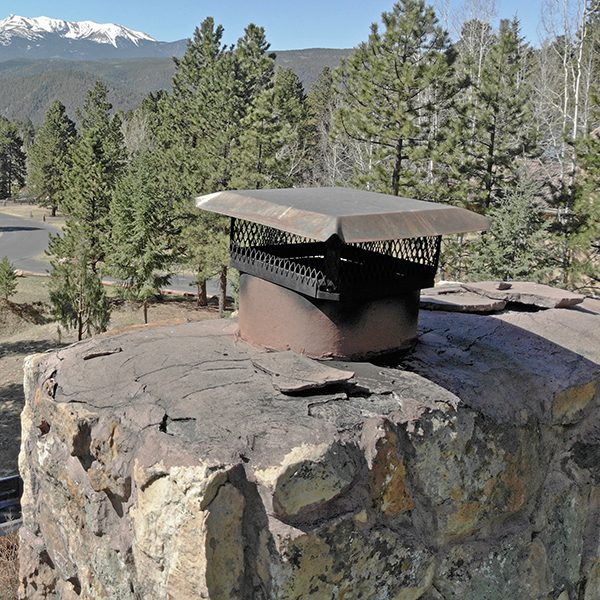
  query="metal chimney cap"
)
[{"x": 354, "y": 215}]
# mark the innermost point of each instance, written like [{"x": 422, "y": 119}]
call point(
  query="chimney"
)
[{"x": 334, "y": 272}]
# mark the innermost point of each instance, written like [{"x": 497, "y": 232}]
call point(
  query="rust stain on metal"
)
[{"x": 275, "y": 317}]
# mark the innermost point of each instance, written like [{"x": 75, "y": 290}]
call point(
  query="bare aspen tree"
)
[{"x": 567, "y": 50}]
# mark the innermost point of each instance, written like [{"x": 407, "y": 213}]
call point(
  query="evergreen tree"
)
[
  {"x": 200, "y": 121},
  {"x": 203, "y": 50},
  {"x": 206, "y": 240},
  {"x": 493, "y": 129},
  {"x": 8, "y": 278},
  {"x": 293, "y": 110},
  {"x": 97, "y": 163},
  {"x": 275, "y": 138},
  {"x": 580, "y": 234},
  {"x": 256, "y": 65},
  {"x": 262, "y": 134},
  {"x": 12, "y": 158},
  {"x": 518, "y": 246},
  {"x": 49, "y": 157},
  {"x": 76, "y": 291},
  {"x": 143, "y": 231},
  {"x": 396, "y": 86},
  {"x": 220, "y": 95},
  {"x": 26, "y": 132},
  {"x": 215, "y": 90},
  {"x": 199, "y": 131}
]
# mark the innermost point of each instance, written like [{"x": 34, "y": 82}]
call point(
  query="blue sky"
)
[{"x": 289, "y": 24}]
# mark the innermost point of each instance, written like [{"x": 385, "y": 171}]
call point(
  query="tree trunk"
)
[
  {"x": 223, "y": 294},
  {"x": 202, "y": 297},
  {"x": 397, "y": 168},
  {"x": 145, "y": 311}
]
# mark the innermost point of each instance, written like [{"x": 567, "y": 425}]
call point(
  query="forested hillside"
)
[
  {"x": 29, "y": 98},
  {"x": 487, "y": 123},
  {"x": 309, "y": 64},
  {"x": 142, "y": 74},
  {"x": 29, "y": 87}
]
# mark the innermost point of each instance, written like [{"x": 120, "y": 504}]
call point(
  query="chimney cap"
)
[{"x": 354, "y": 215}]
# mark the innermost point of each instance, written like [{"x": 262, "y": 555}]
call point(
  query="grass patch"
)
[{"x": 31, "y": 289}]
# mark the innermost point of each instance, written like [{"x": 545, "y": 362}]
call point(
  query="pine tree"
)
[
  {"x": 199, "y": 131},
  {"x": 8, "y": 278},
  {"x": 395, "y": 87},
  {"x": 203, "y": 50},
  {"x": 256, "y": 64},
  {"x": 518, "y": 245},
  {"x": 220, "y": 95},
  {"x": 76, "y": 291},
  {"x": 143, "y": 231},
  {"x": 493, "y": 131},
  {"x": 580, "y": 234},
  {"x": 206, "y": 239},
  {"x": 201, "y": 118},
  {"x": 97, "y": 163},
  {"x": 291, "y": 104},
  {"x": 49, "y": 157},
  {"x": 26, "y": 131},
  {"x": 275, "y": 137},
  {"x": 12, "y": 158},
  {"x": 218, "y": 92}
]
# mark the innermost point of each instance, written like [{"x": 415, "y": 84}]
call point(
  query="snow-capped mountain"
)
[
  {"x": 37, "y": 28},
  {"x": 43, "y": 37}
]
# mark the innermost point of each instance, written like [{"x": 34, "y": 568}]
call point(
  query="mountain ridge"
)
[
  {"x": 37, "y": 27},
  {"x": 45, "y": 38}
]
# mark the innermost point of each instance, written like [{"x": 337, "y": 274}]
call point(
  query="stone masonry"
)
[{"x": 178, "y": 462}]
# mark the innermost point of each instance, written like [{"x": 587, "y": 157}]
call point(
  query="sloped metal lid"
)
[{"x": 354, "y": 215}]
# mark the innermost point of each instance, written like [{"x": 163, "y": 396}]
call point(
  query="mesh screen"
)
[{"x": 334, "y": 269}]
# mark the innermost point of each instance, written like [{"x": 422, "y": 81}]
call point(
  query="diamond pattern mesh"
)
[{"x": 334, "y": 269}]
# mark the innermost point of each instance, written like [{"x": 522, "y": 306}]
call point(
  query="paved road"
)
[{"x": 22, "y": 239}]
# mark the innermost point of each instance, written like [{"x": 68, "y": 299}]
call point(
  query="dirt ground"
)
[{"x": 27, "y": 327}]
